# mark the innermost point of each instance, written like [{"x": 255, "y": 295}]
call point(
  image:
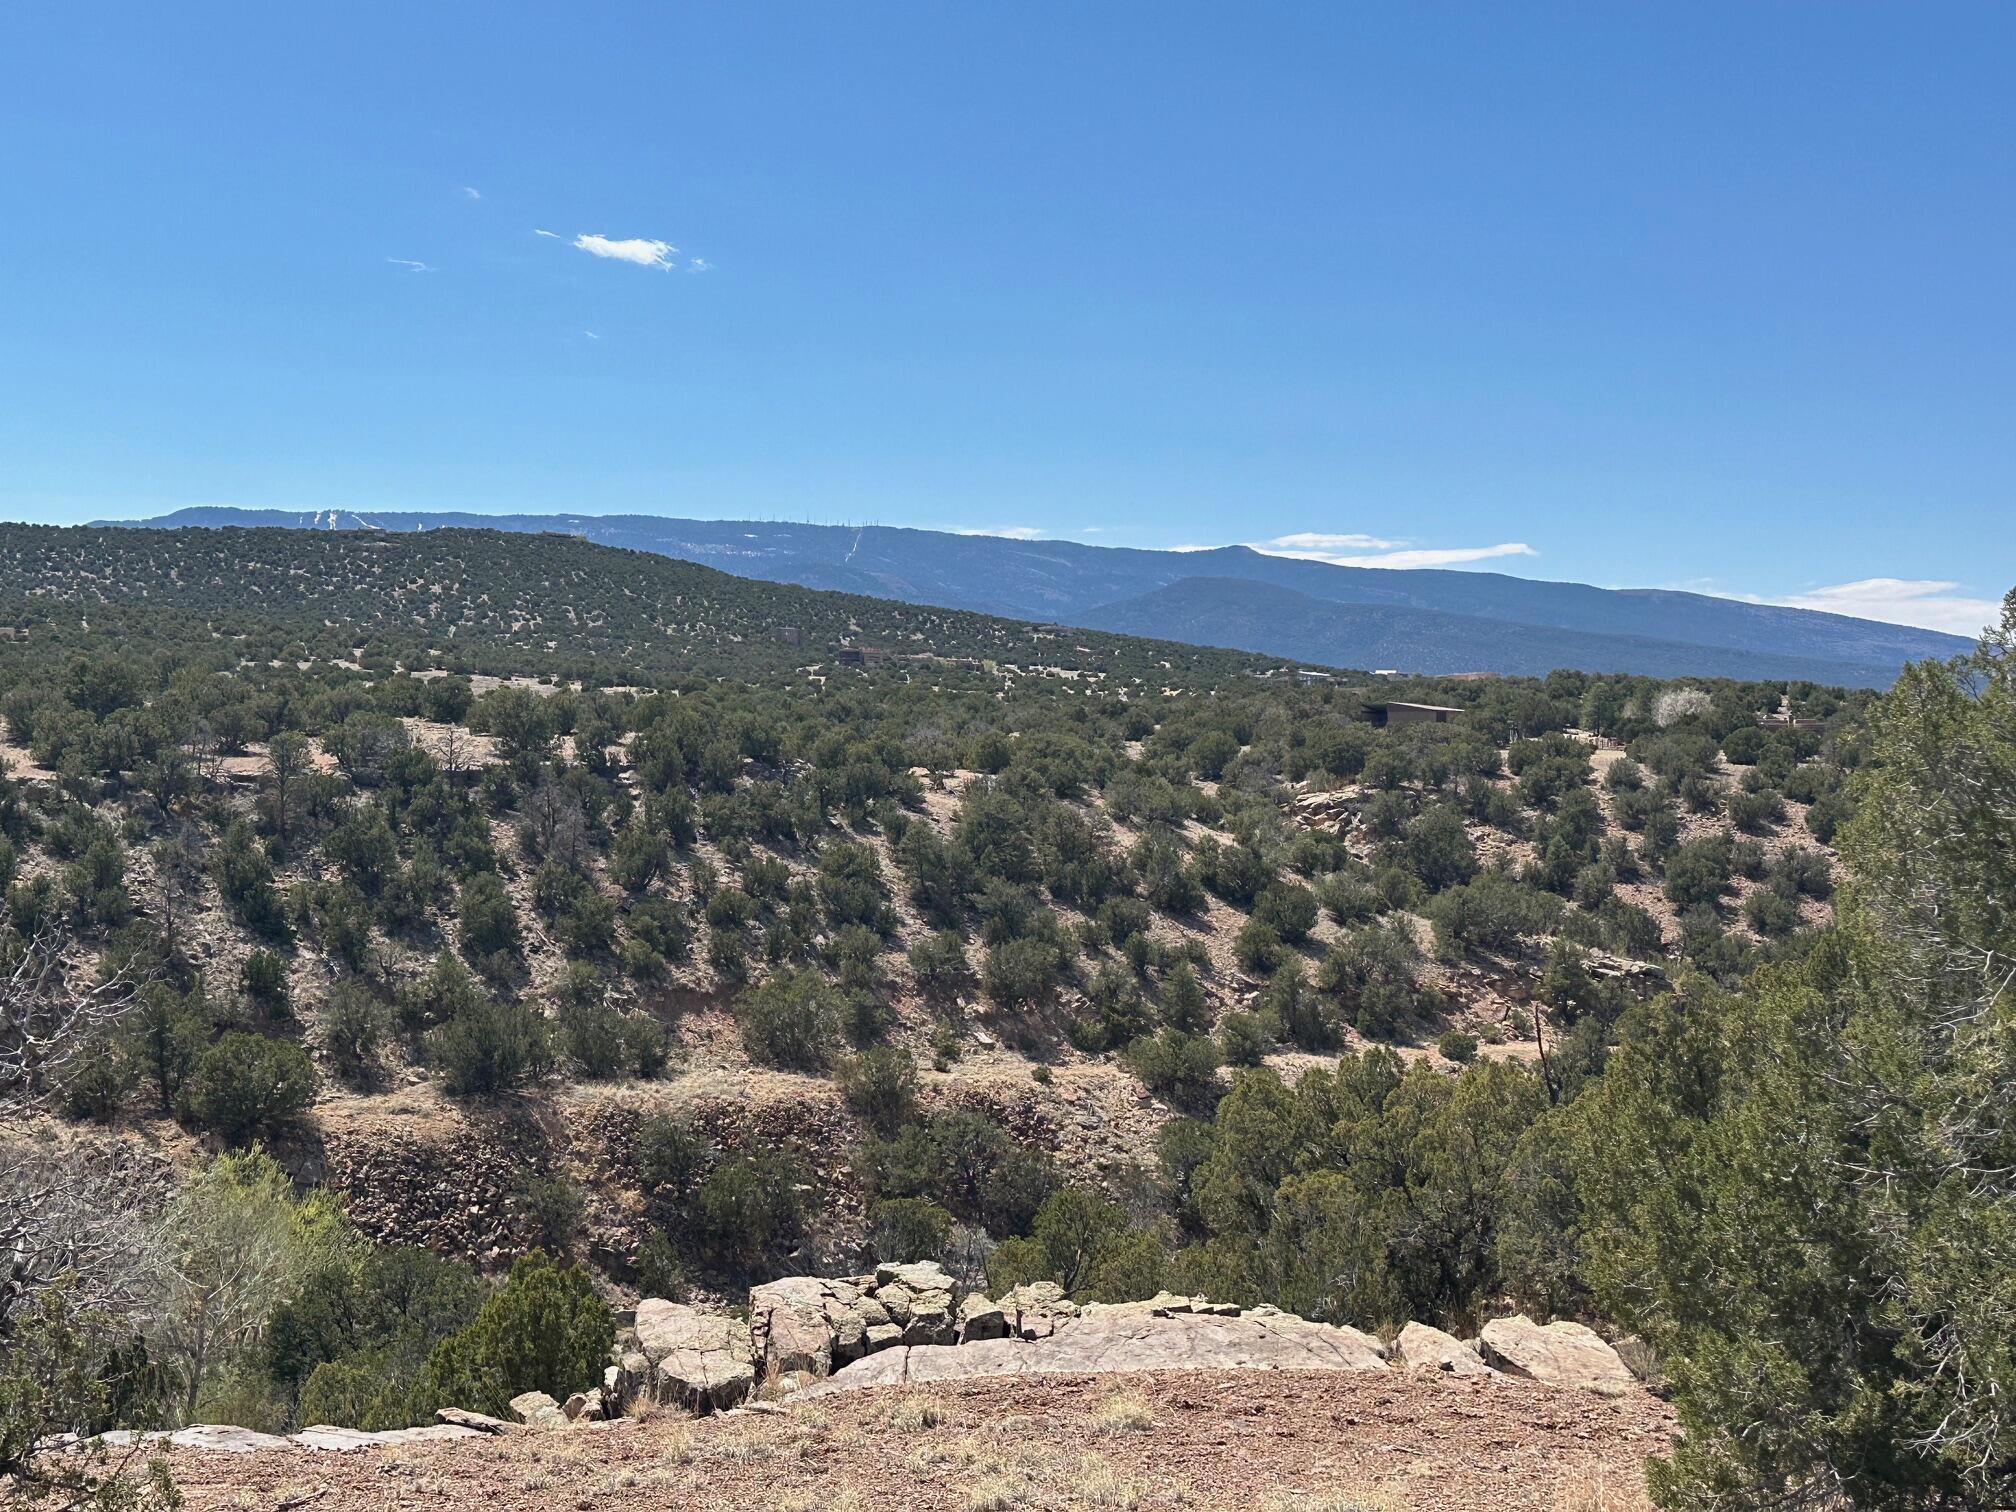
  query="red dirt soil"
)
[{"x": 1316, "y": 1442}]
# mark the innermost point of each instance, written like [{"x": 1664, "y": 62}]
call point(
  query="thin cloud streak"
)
[
  {"x": 411, "y": 265},
  {"x": 1924, "y": 603},
  {"x": 1385, "y": 554}
]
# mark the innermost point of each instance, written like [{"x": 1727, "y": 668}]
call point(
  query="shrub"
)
[
  {"x": 486, "y": 920},
  {"x": 965, "y": 1163},
  {"x": 353, "y": 1026},
  {"x": 903, "y": 1230},
  {"x": 545, "y": 1330},
  {"x": 790, "y": 1021},
  {"x": 1288, "y": 908},
  {"x": 491, "y": 1047},
  {"x": 1184, "y": 1005},
  {"x": 592, "y": 1036},
  {"x": 264, "y": 978},
  {"x": 1492, "y": 913},
  {"x": 1455, "y": 1045},
  {"x": 669, "y": 1158},
  {"x": 1115, "y": 1012},
  {"x": 1242, "y": 1040},
  {"x": 553, "y": 1207},
  {"x": 1021, "y": 973},
  {"x": 1181, "y": 1067},
  {"x": 659, "y": 1270},
  {"x": 1258, "y": 948},
  {"x": 880, "y": 1085},
  {"x": 1437, "y": 849},
  {"x": 748, "y": 1209},
  {"x": 938, "y": 962},
  {"x": 246, "y": 1083}
]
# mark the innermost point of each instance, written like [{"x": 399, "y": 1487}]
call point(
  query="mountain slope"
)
[
  {"x": 1636, "y": 630},
  {"x": 1236, "y": 612},
  {"x": 491, "y": 601}
]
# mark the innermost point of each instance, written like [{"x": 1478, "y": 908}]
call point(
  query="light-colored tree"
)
[
  {"x": 237, "y": 1243},
  {"x": 1675, "y": 704},
  {"x": 55, "y": 1213}
]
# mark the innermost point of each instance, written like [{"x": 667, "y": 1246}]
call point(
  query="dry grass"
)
[
  {"x": 1100, "y": 1485},
  {"x": 913, "y": 1413},
  {"x": 997, "y": 1493},
  {"x": 1125, "y": 1411},
  {"x": 1598, "y": 1490}
]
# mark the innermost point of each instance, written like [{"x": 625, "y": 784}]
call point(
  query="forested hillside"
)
[
  {"x": 1053, "y": 958},
  {"x": 483, "y": 601}
]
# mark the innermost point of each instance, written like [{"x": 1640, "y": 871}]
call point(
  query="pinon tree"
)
[{"x": 1804, "y": 1194}]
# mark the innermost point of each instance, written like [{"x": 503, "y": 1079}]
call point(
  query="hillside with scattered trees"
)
[{"x": 484, "y": 931}]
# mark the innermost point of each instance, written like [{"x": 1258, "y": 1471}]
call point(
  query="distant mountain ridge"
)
[{"x": 1419, "y": 620}]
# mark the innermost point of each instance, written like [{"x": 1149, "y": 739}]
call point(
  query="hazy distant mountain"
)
[{"x": 1425, "y": 621}]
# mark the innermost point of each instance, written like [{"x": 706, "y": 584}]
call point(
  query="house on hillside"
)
[{"x": 1383, "y": 714}]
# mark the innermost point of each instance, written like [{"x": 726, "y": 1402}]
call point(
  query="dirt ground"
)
[{"x": 1312, "y": 1442}]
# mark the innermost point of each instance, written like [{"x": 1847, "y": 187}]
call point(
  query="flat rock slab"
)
[
  {"x": 219, "y": 1438},
  {"x": 1556, "y": 1354},
  {"x": 351, "y": 1440},
  {"x": 1124, "y": 1340}
]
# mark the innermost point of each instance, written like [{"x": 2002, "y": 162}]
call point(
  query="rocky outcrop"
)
[
  {"x": 1558, "y": 1354},
  {"x": 1034, "y": 1309},
  {"x": 700, "y": 1361},
  {"x": 1421, "y": 1347},
  {"x": 809, "y": 1326},
  {"x": 1133, "y": 1336}
]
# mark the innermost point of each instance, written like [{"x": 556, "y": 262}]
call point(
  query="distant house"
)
[{"x": 1383, "y": 714}]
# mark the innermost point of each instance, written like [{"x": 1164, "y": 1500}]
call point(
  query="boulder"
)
[
  {"x": 1035, "y": 1308},
  {"x": 1423, "y": 1348},
  {"x": 980, "y": 1319},
  {"x": 535, "y": 1409},
  {"x": 1557, "y": 1354},
  {"x": 702, "y": 1361},
  {"x": 918, "y": 1298}
]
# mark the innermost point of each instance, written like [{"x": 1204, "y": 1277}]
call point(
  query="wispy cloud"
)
[
  {"x": 640, "y": 250},
  {"x": 471, "y": 192},
  {"x": 410, "y": 265},
  {"x": 1927, "y": 603},
  {"x": 1316, "y": 540},
  {"x": 592, "y": 335},
  {"x": 540, "y": 231},
  {"x": 698, "y": 265},
  {"x": 1374, "y": 551},
  {"x": 1009, "y": 532}
]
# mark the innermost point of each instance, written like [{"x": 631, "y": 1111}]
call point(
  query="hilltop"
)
[
  {"x": 499, "y": 603},
  {"x": 1432, "y": 621}
]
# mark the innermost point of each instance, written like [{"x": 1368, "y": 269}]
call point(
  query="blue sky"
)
[{"x": 1713, "y": 296}]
